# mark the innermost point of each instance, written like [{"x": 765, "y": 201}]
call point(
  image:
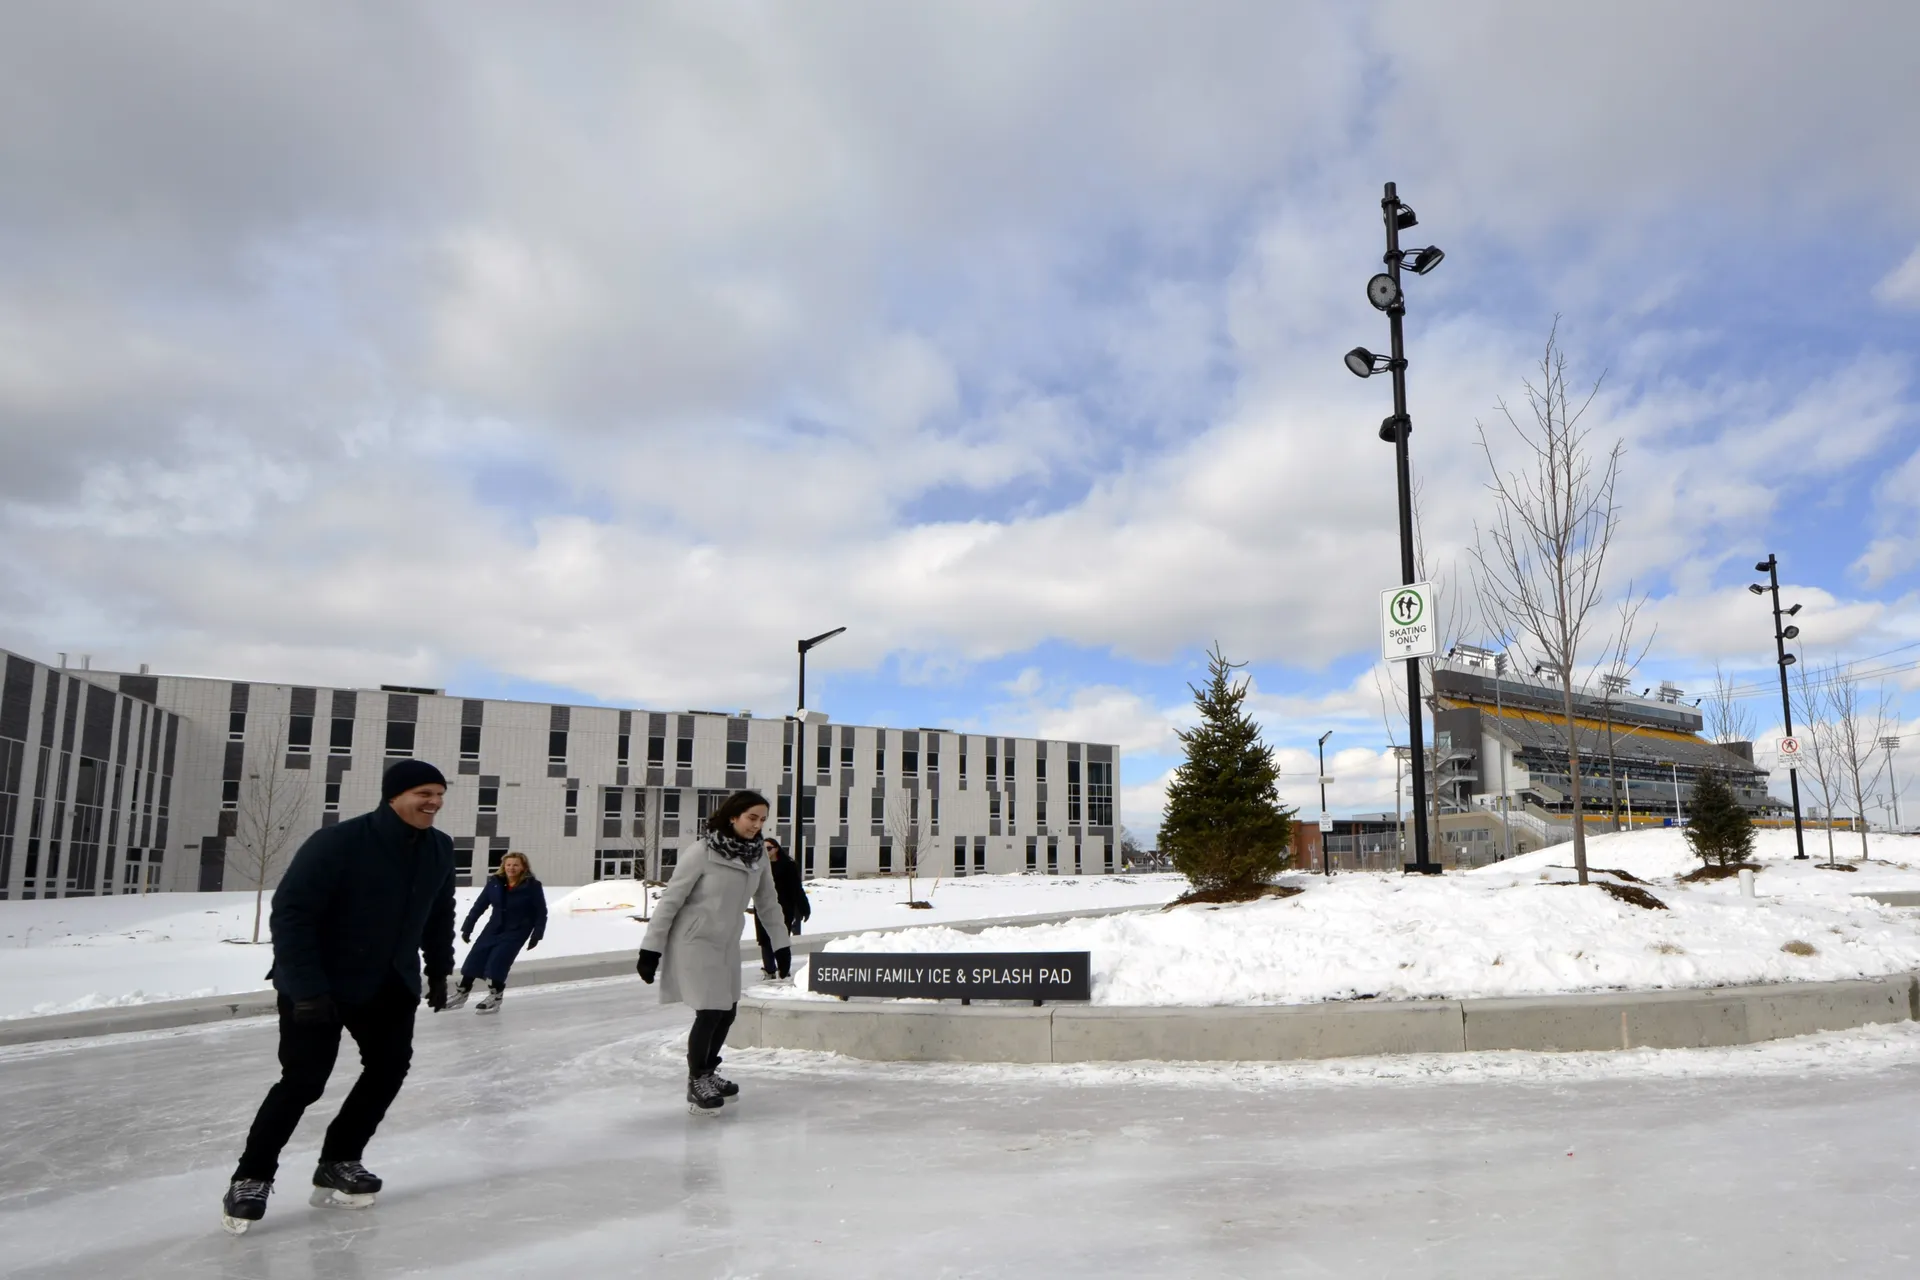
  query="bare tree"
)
[
  {"x": 1729, "y": 719},
  {"x": 1858, "y": 721},
  {"x": 1808, "y": 691},
  {"x": 1539, "y": 564},
  {"x": 272, "y": 810},
  {"x": 1625, "y": 652},
  {"x": 909, "y": 839}
]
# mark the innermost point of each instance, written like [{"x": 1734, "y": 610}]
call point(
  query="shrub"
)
[
  {"x": 1224, "y": 826},
  {"x": 1719, "y": 830}
]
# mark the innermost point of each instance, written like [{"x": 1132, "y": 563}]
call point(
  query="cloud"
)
[{"x": 1901, "y": 286}]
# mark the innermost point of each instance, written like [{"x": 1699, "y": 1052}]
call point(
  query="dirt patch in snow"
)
[
  {"x": 1632, "y": 893},
  {"x": 1715, "y": 872},
  {"x": 1224, "y": 896}
]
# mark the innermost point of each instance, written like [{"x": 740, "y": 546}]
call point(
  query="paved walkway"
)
[{"x": 552, "y": 1140}]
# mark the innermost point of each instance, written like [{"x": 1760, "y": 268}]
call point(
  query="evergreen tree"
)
[
  {"x": 1720, "y": 830},
  {"x": 1224, "y": 826}
]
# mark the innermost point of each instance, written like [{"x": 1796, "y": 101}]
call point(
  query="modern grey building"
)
[{"x": 586, "y": 793}]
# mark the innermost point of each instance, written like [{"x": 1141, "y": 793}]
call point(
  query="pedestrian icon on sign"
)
[{"x": 1406, "y": 608}]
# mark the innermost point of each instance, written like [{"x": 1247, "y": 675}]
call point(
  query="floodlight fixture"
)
[
  {"x": 1427, "y": 259},
  {"x": 1390, "y": 427},
  {"x": 1790, "y": 612},
  {"x": 1383, "y": 291},
  {"x": 1757, "y": 588},
  {"x": 1364, "y": 364},
  {"x": 1404, "y": 217},
  {"x": 1790, "y": 633},
  {"x": 1787, "y": 659}
]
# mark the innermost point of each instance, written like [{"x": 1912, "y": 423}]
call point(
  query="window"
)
[
  {"x": 959, "y": 855},
  {"x": 237, "y": 727},
  {"x": 573, "y": 800},
  {"x": 621, "y": 747},
  {"x": 557, "y": 746},
  {"x": 837, "y": 861},
  {"x": 1007, "y": 769},
  {"x": 230, "y": 794},
  {"x": 846, "y": 755},
  {"x": 299, "y": 735},
  {"x": 886, "y": 857},
  {"x": 1039, "y": 768},
  {"x": 993, "y": 806},
  {"x": 993, "y": 767},
  {"x": 933, "y": 757},
  {"x": 612, "y": 812},
  {"x": 846, "y": 800},
  {"x": 683, "y": 753},
  {"x": 880, "y": 757},
  {"x": 399, "y": 739},
  {"x": 670, "y": 806},
  {"x": 1099, "y": 793},
  {"x": 340, "y": 743},
  {"x": 657, "y": 750},
  {"x": 736, "y": 755},
  {"x": 469, "y": 742},
  {"x": 669, "y": 858},
  {"x": 807, "y": 807},
  {"x": 879, "y": 810},
  {"x": 979, "y": 855},
  {"x": 963, "y": 766},
  {"x": 489, "y": 800},
  {"x": 331, "y": 801},
  {"x": 823, "y": 757},
  {"x": 1040, "y": 812},
  {"x": 1053, "y": 855},
  {"x": 616, "y": 803},
  {"x": 933, "y": 812},
  {"x": 910, "y": 764},
  {"x": 1033, "y": 854},
  {"x": 1073, "y": 791},
  {"x": 786, "y": 757}
]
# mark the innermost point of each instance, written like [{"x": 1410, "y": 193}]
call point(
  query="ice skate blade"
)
[
  {"x": 235, "y": 1226},
  {"x": 328, "y": 1198},
  {"x": 486, "y": 1008},
  {"x": 708, "y": 1113}
]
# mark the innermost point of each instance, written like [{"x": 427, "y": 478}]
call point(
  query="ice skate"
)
[
  {"x": 244, "y": 1204},
  {"x": 343, "y": 1184},
  {"x": 727, "y": 1088},
  {"x": 704, "y": 1097},
  {"x": 490, "y": 1002},
  {"x": 458, "y": 997}
]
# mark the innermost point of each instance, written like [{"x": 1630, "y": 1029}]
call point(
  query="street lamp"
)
[
  {"x": 1326, "y": 824},
  {"x": 800, "y": 856},
  {"x": 1781, "y": 634},
  {"x": 1384, "y": 292}
]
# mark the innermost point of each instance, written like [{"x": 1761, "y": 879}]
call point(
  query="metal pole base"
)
[{"x": 1422, "y": 868}]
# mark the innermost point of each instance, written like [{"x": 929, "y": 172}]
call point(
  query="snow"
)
[
  {"x": 65, "y": 955},
  {"x": 1513, "y": 929}
]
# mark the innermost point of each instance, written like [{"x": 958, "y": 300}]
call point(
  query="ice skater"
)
[
  {"x": 361, "y": 905},
  {"x": 693, "y": 943},
  {"x": 519, "y": 908},
  {"x": 794, "y": 908}
]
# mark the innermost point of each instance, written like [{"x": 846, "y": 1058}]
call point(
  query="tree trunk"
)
[
  {"x": 1573, "y": 771},
  {"x": 259, "y": 891}
]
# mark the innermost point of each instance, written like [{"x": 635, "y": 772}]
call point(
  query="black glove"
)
[
  {"x": 318, "y": 1011},
  {"x": 648, "y": 966},
  {"x": 793, "y": 925},
  {"x": 437, "y": 992},
  {"x": 466, "y": 935},
  {"x": 533, "y": 942},
  {"x": 783, "y": 962}
]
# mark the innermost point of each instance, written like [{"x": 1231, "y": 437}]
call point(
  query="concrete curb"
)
[
  {"x": 542, "y": 971},
  {"x": 1894, "y": 897},
  {"x": 1691, "y": 1019}
]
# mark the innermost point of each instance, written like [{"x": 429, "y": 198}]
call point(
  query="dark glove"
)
[
  {"x": 533, "y": 942},
  {"x": 437, "y": 992},
  {"x": 315, "y": 1012},
  {"x": 648, "y": 966},
  {"x": 783, "y": 962},
  {"x": 793, "y": 925},
  {"x": 466, "y": 935}
]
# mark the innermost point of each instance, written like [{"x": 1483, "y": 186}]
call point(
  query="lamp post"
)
[
  {"x": 1326, "y": 823},
  {"x": 800, "y": 855},
  {"x": 1384, "y": 292},
  {"x": 1781, "y": 634},
  {"x": 1890, "y": 745}
]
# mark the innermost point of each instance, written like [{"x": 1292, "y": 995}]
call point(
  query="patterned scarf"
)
[{"x": 745, "y": 851}]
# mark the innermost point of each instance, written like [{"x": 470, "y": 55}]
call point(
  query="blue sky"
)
[{"x": 599, "y": 359}]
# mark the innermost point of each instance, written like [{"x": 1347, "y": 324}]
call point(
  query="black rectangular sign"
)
[{"x": 967, "y": 975}]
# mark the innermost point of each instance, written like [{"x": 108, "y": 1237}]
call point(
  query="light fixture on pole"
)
[
  {"x": 1326, "y": 823},
  {"x": 1781, "y": 634},
  {"x": 1385, "y": 293},
  {"x": 1891, "y": 744},
  {"x": 800, "y": 856}
]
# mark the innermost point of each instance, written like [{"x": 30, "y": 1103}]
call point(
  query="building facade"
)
[{"x": 248, "y": 770}]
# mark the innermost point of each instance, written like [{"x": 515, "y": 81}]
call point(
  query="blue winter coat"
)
[
  {"x": 518, "y": 916},
  {"x": 364, "y": 899}
]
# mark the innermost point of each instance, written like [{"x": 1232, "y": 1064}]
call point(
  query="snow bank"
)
[{"x": 1508, "y": 930}]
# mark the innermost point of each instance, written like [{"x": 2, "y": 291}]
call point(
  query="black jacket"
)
[
  {"x": 365, "y": 898},
  {"x": 793, "y": 892},
  {"x": 519, "y": 914}
]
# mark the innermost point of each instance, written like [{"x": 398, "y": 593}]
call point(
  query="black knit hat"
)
[{"x": 405, "y": 775}]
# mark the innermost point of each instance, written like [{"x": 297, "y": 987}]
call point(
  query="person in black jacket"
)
[
  {"x": 519, "y": 908},
  {"x": 360, "y": 906},
  {"x": 793, "y": 905}
]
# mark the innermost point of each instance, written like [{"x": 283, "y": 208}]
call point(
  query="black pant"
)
[
  {"x": 766, "y": 943},
  {"x": 708, "y": 1037},
  {"x": 383, "y": 1028}
]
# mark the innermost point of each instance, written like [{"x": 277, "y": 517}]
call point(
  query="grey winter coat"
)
[{"x": 696, "y": 926}]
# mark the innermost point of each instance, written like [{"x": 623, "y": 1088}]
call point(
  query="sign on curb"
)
[
  {"x": 966, "y": 975},
  {"x": 1406, "y": 623}
]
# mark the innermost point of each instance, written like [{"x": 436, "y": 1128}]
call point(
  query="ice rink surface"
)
[{"x": 553, "y": 1140}]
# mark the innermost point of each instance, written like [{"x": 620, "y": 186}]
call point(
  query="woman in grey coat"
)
[{"x": 693, "y": 942}]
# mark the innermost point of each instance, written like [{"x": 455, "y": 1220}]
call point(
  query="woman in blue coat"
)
[{"x": 519, "y": 918}]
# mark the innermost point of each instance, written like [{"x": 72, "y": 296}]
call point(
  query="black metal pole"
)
[
  {"x": 800, "y": 768},
  {"x": 1326, "y": 862},
  {"x": 1416, "y": 728},
  {"x": 1786, "y": 703}
]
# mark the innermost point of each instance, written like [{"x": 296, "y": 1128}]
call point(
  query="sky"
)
[{"x": 597, "y": 352}]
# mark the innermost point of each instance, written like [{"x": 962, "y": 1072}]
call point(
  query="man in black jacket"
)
[
  {"x": 360, "y": 906},
  {"x": 793, "y": 906}
]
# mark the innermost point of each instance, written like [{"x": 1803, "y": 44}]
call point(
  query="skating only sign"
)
[
  {"x": 1406, "y": 622},
  {"x": 975, "y": 975}
]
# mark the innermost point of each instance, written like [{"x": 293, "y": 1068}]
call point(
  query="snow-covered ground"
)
[
  {"x": 69, "y": 954},
  {"x": 1512, "y": 929}
]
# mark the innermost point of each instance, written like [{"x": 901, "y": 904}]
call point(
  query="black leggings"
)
[{"x": 709, "y": 1034}]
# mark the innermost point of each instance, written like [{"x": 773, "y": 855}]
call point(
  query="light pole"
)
[
  {"x": 1890, "y": 745},
  {"x": 1384, "y": 292},
  {"x": 1326, "y": 823},
  {"x": 1781, "y": 634},
  {"x": 800, "y": 856}
]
